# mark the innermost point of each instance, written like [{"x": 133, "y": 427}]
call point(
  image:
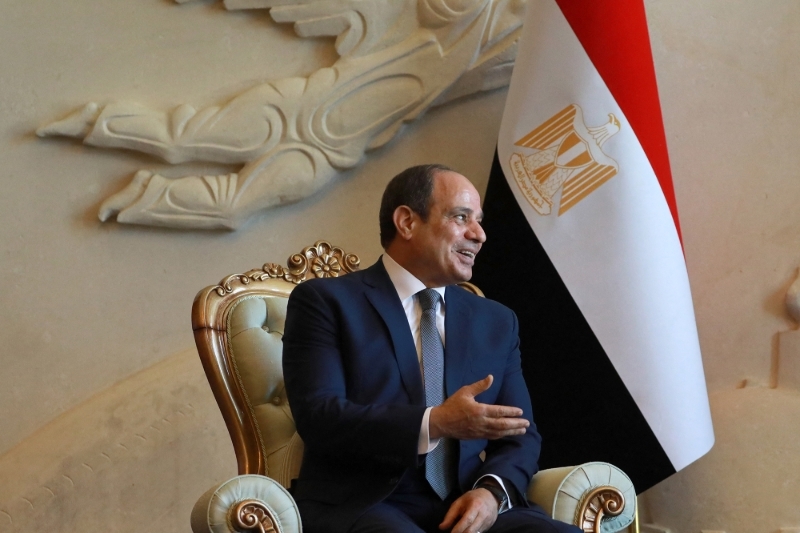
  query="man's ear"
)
[{"x": 404, "y": 220}]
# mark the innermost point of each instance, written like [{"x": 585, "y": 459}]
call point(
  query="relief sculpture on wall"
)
[{"x": 397, "y": 58}]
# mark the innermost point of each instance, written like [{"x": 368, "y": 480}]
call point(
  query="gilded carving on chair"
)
[
  {"x": 322, "y": 259},
  {"x": 252, "y": 516},
  {"x": 599, "y": 503}
]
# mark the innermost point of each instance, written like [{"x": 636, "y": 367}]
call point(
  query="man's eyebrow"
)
[{"x": 459, "y": 210}]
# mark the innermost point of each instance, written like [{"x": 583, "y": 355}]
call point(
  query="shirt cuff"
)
[
  {"x": 425, "y": 444},
  {"x": 506, "y": 506}
]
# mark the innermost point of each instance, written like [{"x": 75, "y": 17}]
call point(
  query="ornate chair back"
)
[{"x": 238, "y": 328}]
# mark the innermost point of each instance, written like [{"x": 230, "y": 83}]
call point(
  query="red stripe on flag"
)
[{"x": 614, "y": 35}]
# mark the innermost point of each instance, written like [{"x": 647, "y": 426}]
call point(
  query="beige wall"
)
[
  {"x": 729, "y": 77},
  {"x": 87, "y": 305}
]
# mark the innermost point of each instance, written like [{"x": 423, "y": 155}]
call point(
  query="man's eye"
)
[{"x": 462, "y": 218}]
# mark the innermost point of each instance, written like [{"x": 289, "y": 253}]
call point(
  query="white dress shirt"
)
[{"x": 407, "y": 286}]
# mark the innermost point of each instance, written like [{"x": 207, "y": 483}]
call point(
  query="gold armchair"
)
[{"x": 238, "y": 326}]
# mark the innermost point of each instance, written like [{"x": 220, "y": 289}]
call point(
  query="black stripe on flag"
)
[{"x": 581, "y": 406}]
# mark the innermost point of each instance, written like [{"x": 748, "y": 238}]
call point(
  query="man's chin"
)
[{"x": 463, "y": 274}]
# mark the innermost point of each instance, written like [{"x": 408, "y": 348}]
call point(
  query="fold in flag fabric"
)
[{"x": 584, "y": 245}]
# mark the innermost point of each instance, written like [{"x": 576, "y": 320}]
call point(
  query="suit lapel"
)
[
  {"x": 457, "y": 353},
  {"x": 383, "y": 297}
]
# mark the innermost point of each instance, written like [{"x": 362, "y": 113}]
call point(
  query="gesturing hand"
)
[
  {"x": 461, "y": 417},
  {"x": 475, "y": 511}
]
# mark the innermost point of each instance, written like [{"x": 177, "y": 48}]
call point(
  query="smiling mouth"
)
[{"x": 467, "y": 253}]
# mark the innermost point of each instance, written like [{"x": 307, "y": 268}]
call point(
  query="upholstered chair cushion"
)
[{"x": 255, "y": 333}]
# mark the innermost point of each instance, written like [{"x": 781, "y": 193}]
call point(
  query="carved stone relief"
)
[{"x": 292, "y": 136}]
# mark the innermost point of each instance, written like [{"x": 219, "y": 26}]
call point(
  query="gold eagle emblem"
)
[{"x": 563, "y": 153}]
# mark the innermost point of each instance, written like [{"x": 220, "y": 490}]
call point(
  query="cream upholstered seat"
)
[{"x": 238, "y": 326}]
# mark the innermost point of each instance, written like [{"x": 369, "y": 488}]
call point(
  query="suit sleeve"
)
[
  {"x": 515, "y": 459},
  {"x": 316, "y": 384}
]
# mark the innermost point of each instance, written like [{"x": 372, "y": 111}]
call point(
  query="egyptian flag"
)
[{"x": 584, "y": 245}]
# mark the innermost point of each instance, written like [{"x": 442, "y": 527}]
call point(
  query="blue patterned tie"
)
[{"x": 439, "y": 468}]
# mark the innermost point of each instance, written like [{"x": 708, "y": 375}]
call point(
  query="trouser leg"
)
[
  {"x": 384, "y": 518},
  {"x": 530, "y": 520},
  {"x": 413, "y": 508}
]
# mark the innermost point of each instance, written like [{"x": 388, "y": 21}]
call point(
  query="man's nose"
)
[{"x": 476, "y": 232}]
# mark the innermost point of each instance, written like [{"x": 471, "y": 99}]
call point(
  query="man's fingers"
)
[
  {"x": 502, "y": 424},
  {"x": 501, "y": 411},
  {"x": 459, "y": 517},
  {"x": 473, "y": 511},
  {"x": 494, "y": 435},
  {"x": 478, "y": 387},
  {"x": 494, "y": 426},
  {"x": 463, "y": 525},
  {"x": 461, "y": 417},
  {"x": 452, "y": 514}
]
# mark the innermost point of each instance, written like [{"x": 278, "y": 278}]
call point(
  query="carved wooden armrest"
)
[
  {"x": 246, "y": 504},
  {"x": 588, "y": 496},
  {"x": 599, "y": 503}
]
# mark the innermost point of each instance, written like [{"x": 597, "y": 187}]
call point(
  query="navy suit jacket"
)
[{"x": 355, "y": 389}]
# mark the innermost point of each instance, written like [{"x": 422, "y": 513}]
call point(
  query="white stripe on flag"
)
[{"x": 617, "y": 248}]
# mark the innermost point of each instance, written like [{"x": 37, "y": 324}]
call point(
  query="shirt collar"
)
[{"x": 405, "y": 283}]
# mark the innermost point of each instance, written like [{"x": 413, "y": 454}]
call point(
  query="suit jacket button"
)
[{"x": 394, "y": 481}]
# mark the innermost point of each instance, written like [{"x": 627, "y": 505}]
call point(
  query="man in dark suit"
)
[{"x": 398, "y": 380}]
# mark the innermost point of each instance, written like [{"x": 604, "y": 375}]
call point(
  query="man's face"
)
[{"x": 446, "y": 244}]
